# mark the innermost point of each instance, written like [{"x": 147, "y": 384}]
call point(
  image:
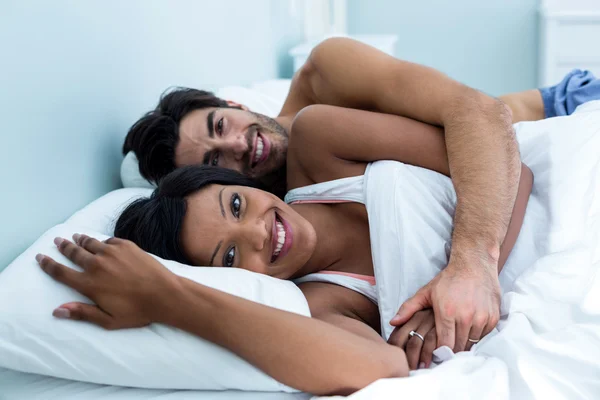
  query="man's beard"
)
[
  {"x": 271, "y": 129},
  {"x": 271, "y": 125}
]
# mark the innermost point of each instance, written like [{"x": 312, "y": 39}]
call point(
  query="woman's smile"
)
[{"x": 282, "y": 238}]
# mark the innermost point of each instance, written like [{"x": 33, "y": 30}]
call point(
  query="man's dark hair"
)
[
  {"x": 153, "y": 137},
  {"x": 154, "y": 223}
]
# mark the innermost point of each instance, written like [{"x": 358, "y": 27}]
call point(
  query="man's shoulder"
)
[
  {"x": 309, "y": 84},
  {"x": 301, "y": 93}
]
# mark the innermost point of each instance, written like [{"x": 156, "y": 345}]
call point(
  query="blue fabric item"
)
[{"x": 576, "y": 88}]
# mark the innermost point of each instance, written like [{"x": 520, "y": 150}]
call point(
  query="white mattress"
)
[{"x": 21, "y": 386}]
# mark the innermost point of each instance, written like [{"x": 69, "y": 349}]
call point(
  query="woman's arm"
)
[
  {"x": 305, "y": 353},
  {"x": 518, "y": 215},
  {"x": 132, "y": 289},
  {"x": 342, "y": 140},
  {"x": 340, "y": 137}
]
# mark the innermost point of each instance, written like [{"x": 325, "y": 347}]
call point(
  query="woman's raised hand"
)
[{"x": 129, "y": 286}]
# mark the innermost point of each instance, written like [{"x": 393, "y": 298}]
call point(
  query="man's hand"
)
[
  {"x": 465, "y": 300},
  {"x": 118, "y": 276}
]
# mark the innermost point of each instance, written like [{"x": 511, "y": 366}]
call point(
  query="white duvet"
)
[{"x": 547, "y": 344}]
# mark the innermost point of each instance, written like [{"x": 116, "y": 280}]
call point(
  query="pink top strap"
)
[{"x": 320, "y": 201}]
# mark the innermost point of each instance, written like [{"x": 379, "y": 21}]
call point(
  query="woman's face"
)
[{"x": 242, "y": 227}]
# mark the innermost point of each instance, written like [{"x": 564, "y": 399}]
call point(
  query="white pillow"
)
[
  {"x": 157, "y": 356},
  {"x": 255, "y": 100},
  {"x": 130, "y": 173},
  {"x": 101, "y": 215},
  {"x": 263, "y": 97}
]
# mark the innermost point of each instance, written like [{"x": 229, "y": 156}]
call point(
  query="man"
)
[{"x": 193, "y": 127}]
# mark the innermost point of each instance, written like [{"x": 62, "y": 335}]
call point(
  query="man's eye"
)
[
  {"x": 220, "y": 126},
  {"x": 229, "y": 258},
  {"x": 215, "y": 160},
  {"x": 236, "y": 205}
]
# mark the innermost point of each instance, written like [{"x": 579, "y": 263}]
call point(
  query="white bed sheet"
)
[{"x": 21, "y": 386}]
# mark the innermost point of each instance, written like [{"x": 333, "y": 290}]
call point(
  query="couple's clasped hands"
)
[{"x": 456, "y": 309}]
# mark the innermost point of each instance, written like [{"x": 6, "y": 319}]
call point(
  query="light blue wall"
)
[
  {"x": 74, "y": 75},
  {"x": 487, "y": 44}
]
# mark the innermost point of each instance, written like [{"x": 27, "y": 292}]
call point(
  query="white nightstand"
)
[
  {"x": 385, "y": 43},
  {"x": 569, "y": 38}
]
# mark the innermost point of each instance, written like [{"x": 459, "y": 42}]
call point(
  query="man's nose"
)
[{"x": 237, "y": 144}]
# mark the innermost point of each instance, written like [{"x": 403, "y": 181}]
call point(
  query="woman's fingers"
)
[
  {"x": 84, "y": 312},
  {"x": 61, "y": 273},
  {"x": 89, "y": 243},
  {"x": 428, "y": 347},
  {"x": 78, "y": 255},
  {"x": 114, "y": 241},
  {"x": 400, "y": 335},
  {"x": 415, "y": 344}
]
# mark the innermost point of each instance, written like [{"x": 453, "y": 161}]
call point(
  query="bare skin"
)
[{"x": 481, "y": 151}]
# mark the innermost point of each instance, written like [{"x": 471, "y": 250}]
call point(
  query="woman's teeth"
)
[
  {"x": 259, "y": 149},
  {"x": 280, "y": 238}
]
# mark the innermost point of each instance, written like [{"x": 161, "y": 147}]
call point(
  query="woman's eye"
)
[
  {"x": 229, "y": 258},
  {"x": 220, "y": 126},
  {"x": 236, "y": 205},
  {"x": 215, "y": 160}
]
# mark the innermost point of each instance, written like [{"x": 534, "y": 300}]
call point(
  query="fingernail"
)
[
  {"x": 58, "y": 241},
  {"x": 39, "y": 258},
  {"x": 61, "y": 313},
  {"x": 421, "y": 365},
  {"x": 76, "y": 237}
]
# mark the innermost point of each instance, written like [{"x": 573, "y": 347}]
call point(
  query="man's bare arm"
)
[{"x": 482, "y": 153}]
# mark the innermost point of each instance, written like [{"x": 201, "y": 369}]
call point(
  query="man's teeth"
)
[
  {"x": 280, "y": 238},
  {"x": 259, "y": 149}
]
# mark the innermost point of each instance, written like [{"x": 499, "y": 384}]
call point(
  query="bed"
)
[
  {"x": 547, "y": 344},
  {"x": 19, "y": 386}
]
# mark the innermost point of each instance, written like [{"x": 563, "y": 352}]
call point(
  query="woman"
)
[{"x": 207, "y": 216}]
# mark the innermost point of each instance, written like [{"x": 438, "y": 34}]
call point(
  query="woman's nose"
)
[{"x": 257, "y": 234}]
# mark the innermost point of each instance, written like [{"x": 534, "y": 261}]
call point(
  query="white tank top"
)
[
  {"x": 411, "y": 212},
  {"x": 344, "y": 190}
]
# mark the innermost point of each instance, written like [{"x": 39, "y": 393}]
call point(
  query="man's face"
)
[{"x": 250, "y": 143}]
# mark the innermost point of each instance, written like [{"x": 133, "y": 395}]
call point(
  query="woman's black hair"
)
[{"x": 154, "y": 223}]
